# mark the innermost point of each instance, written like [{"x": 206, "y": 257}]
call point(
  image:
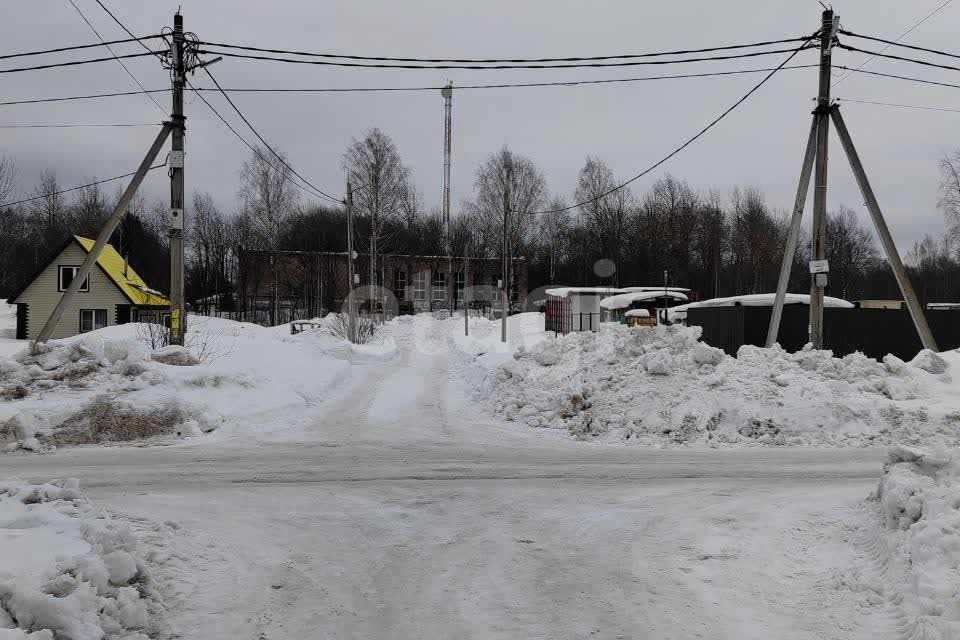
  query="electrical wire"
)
[
  {"x": 78, "y": 125},
  {"x": 252, "y": 148},
  {"x": 900, "y": 58},
  {"x": 74, "y": 63},
  {"x": 77, "y": 47},
  {"x": 129, "y": 73},
  {"x": 897, "y": 39},
  {"x": 567, "y": 83},
  {"x": 264, "y": 142},
  {"x": 895, "y": 104},
  {"x": 686, "y": 144},
  {"x": 82, "y": 186},
  {"x": 129, "y": 33},
  {"x": 898, "y": 77},
  {"x": 502, "y": 60},
  {"x": 377, "y": 65},
  {"x": 893, "y": 43}
]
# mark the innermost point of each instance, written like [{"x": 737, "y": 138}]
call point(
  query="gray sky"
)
[{"x": 629, "y": 126}]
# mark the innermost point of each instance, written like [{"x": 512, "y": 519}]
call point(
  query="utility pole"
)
[
  {"x": 351, "y": 310},
  {"x": 818, "y": 281},
  {"x": 103, "y": 238},
  {"x": 447, "y": 93},
  {"x": 505, "y": 289},
  {"x": 178, "y": 316}
]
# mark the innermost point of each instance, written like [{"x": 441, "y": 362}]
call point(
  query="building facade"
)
[{"x": 314, "y": 282}]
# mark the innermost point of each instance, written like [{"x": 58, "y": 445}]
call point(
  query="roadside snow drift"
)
[
  {"x": 68, "y": 570},
  {"x": 662, "y": 386},
  {"x": 918, "y": 552}
]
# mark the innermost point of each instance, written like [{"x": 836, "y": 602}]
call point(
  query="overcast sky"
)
[{"x": 629, "y": 126}]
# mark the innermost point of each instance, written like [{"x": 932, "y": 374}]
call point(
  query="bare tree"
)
[
  {"x": 382, "y": 189},
  {"x": 267, "y": 199},
  {"x": 950, "y": 193},
  {"x": 605, "y": 210},
  {"x": 850, "y": 251},
  {"x": 553, "y": 234},
  {"x": 9, "y": 175}
]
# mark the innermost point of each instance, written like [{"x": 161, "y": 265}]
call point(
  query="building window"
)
[
  {"x": 460, "y": 282},
  {"x": 439, "y": 285},
  {"x": 92, "y": 319},
  {"x": 400, "y": 285},
  {"x": 65, "y": 276},
  {"x": 420, "y": 286}
]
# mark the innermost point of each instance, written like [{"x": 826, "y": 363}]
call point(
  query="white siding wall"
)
[{"x": 42, "y": 296}]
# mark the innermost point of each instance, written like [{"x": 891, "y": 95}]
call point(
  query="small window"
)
[
  {"x": 92, "y": 319},
  {"x": 66, "y": 275},
  {"x": 439, "y": 285},
  {"x": 400, "y": 284},
  {"x": 420, "y": 286},
  {"x": 460, "y": 279}
]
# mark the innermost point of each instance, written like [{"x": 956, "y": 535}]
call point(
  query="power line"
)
[
  {"x": 78, "y": 125},
  {"x": 514, "y": 85},
  {"x": 252, "y": 148},
  {"x": 264, "y": 142},
  {"x": 77, "y": 47},
  {"x": 129, "y": 73},
  {"x": 129, "y": 33},
  {"x": 901, "y": 58},
  {"x": 504, "y": 60},
  {"x": 898, "y": 77},
  {"x": 86, "y": 97},
  {"x": 897, "y": 39},
  {"x": 893, "y": 43},
  {"x": 378, "y": 65},
  {"x": 685, "y": 144},
  {"x": 74, "y": 63},
  {"x": 82, "y": 186},
  {"x": 895, "y": 104}
]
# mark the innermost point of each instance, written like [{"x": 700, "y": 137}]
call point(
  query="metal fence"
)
[{"x": 873, "y": 332}]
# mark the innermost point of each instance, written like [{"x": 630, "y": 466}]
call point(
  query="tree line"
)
[{"x": 717, "y": 243}]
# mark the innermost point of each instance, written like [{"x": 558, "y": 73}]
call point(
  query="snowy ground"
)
[{"x": 368, "y": 493}]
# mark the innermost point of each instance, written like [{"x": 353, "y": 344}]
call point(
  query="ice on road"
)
[{"x": 396, "y": 510}]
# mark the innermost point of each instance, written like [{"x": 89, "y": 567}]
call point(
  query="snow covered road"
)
[{"x": 394, "y": 510}]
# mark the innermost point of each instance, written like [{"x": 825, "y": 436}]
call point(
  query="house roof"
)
[
  {"x": 131, "y": 285},
  {"x": 624, "y": 300}
]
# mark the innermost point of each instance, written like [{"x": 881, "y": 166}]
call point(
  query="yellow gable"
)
[{"x": 131, "y": 284}]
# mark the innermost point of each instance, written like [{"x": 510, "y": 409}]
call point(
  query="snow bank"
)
[
  {"x": 661, "y": 386},
  {"x": 753, "y": 300},
  {"x": 624, "y": 300},
  {"x": 918, "y": 502},
  {"x": 69, "y": 570}
]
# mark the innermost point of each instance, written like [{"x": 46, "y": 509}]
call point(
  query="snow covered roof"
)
[
  {"x": 761, "y": 300},
  {"x": 563, "y": 292},
  {"x": 638, "y": 313},
  {"x": 624, "y": 300}
]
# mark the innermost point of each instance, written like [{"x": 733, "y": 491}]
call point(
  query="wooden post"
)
[
  {"x": 913, "y": 305},
  {"x": 504, "y": 290},
  {"x": 104, "y": 237},
  {"x": 790, "y": 249},
  {"x": 178, "y": 315},
  {"x": 351, "y": 303}
]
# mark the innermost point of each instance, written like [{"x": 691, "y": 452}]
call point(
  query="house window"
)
[
  {"x": 439, "y": 285},
  {"x": 92, "y": 319},
  {"x": 65, "y": 276},
  {"x": 420, "y": 286},
  {"x": 400, "y": 284},
  {"x": 460, "y": 282}
]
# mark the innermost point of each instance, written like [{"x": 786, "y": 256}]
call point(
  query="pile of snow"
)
[
  {"x": 754, "y": 300},
  {"x": 70, "y": 570},
  {"x": 624, "y": 300},
  {"x": 918, "y": 553},
  {"x": 662, "y": 386},
  {"x": 638, "y": 313}
]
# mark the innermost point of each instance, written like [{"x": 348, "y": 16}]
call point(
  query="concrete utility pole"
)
[
  {"x": 447, "y": 93},
  {"x": 104, "y": 237},
  {"x": 818, "y": 281},
  {"x": 178, "y": 315},
  {"x": 351, "y": 310},
  {"x": 505, "y": 289}
]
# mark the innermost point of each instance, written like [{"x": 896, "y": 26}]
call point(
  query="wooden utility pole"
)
[
  {"x": 104, "y": 237},
  {"x": 893, "y": 256},
  {"x": 447, "y": 93},
  {"x": 178, "y": 315},
  {"x": 505, "y": 289},
  {"x": 351, "y": 309},
  {"x": 818, "y": 281}
]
